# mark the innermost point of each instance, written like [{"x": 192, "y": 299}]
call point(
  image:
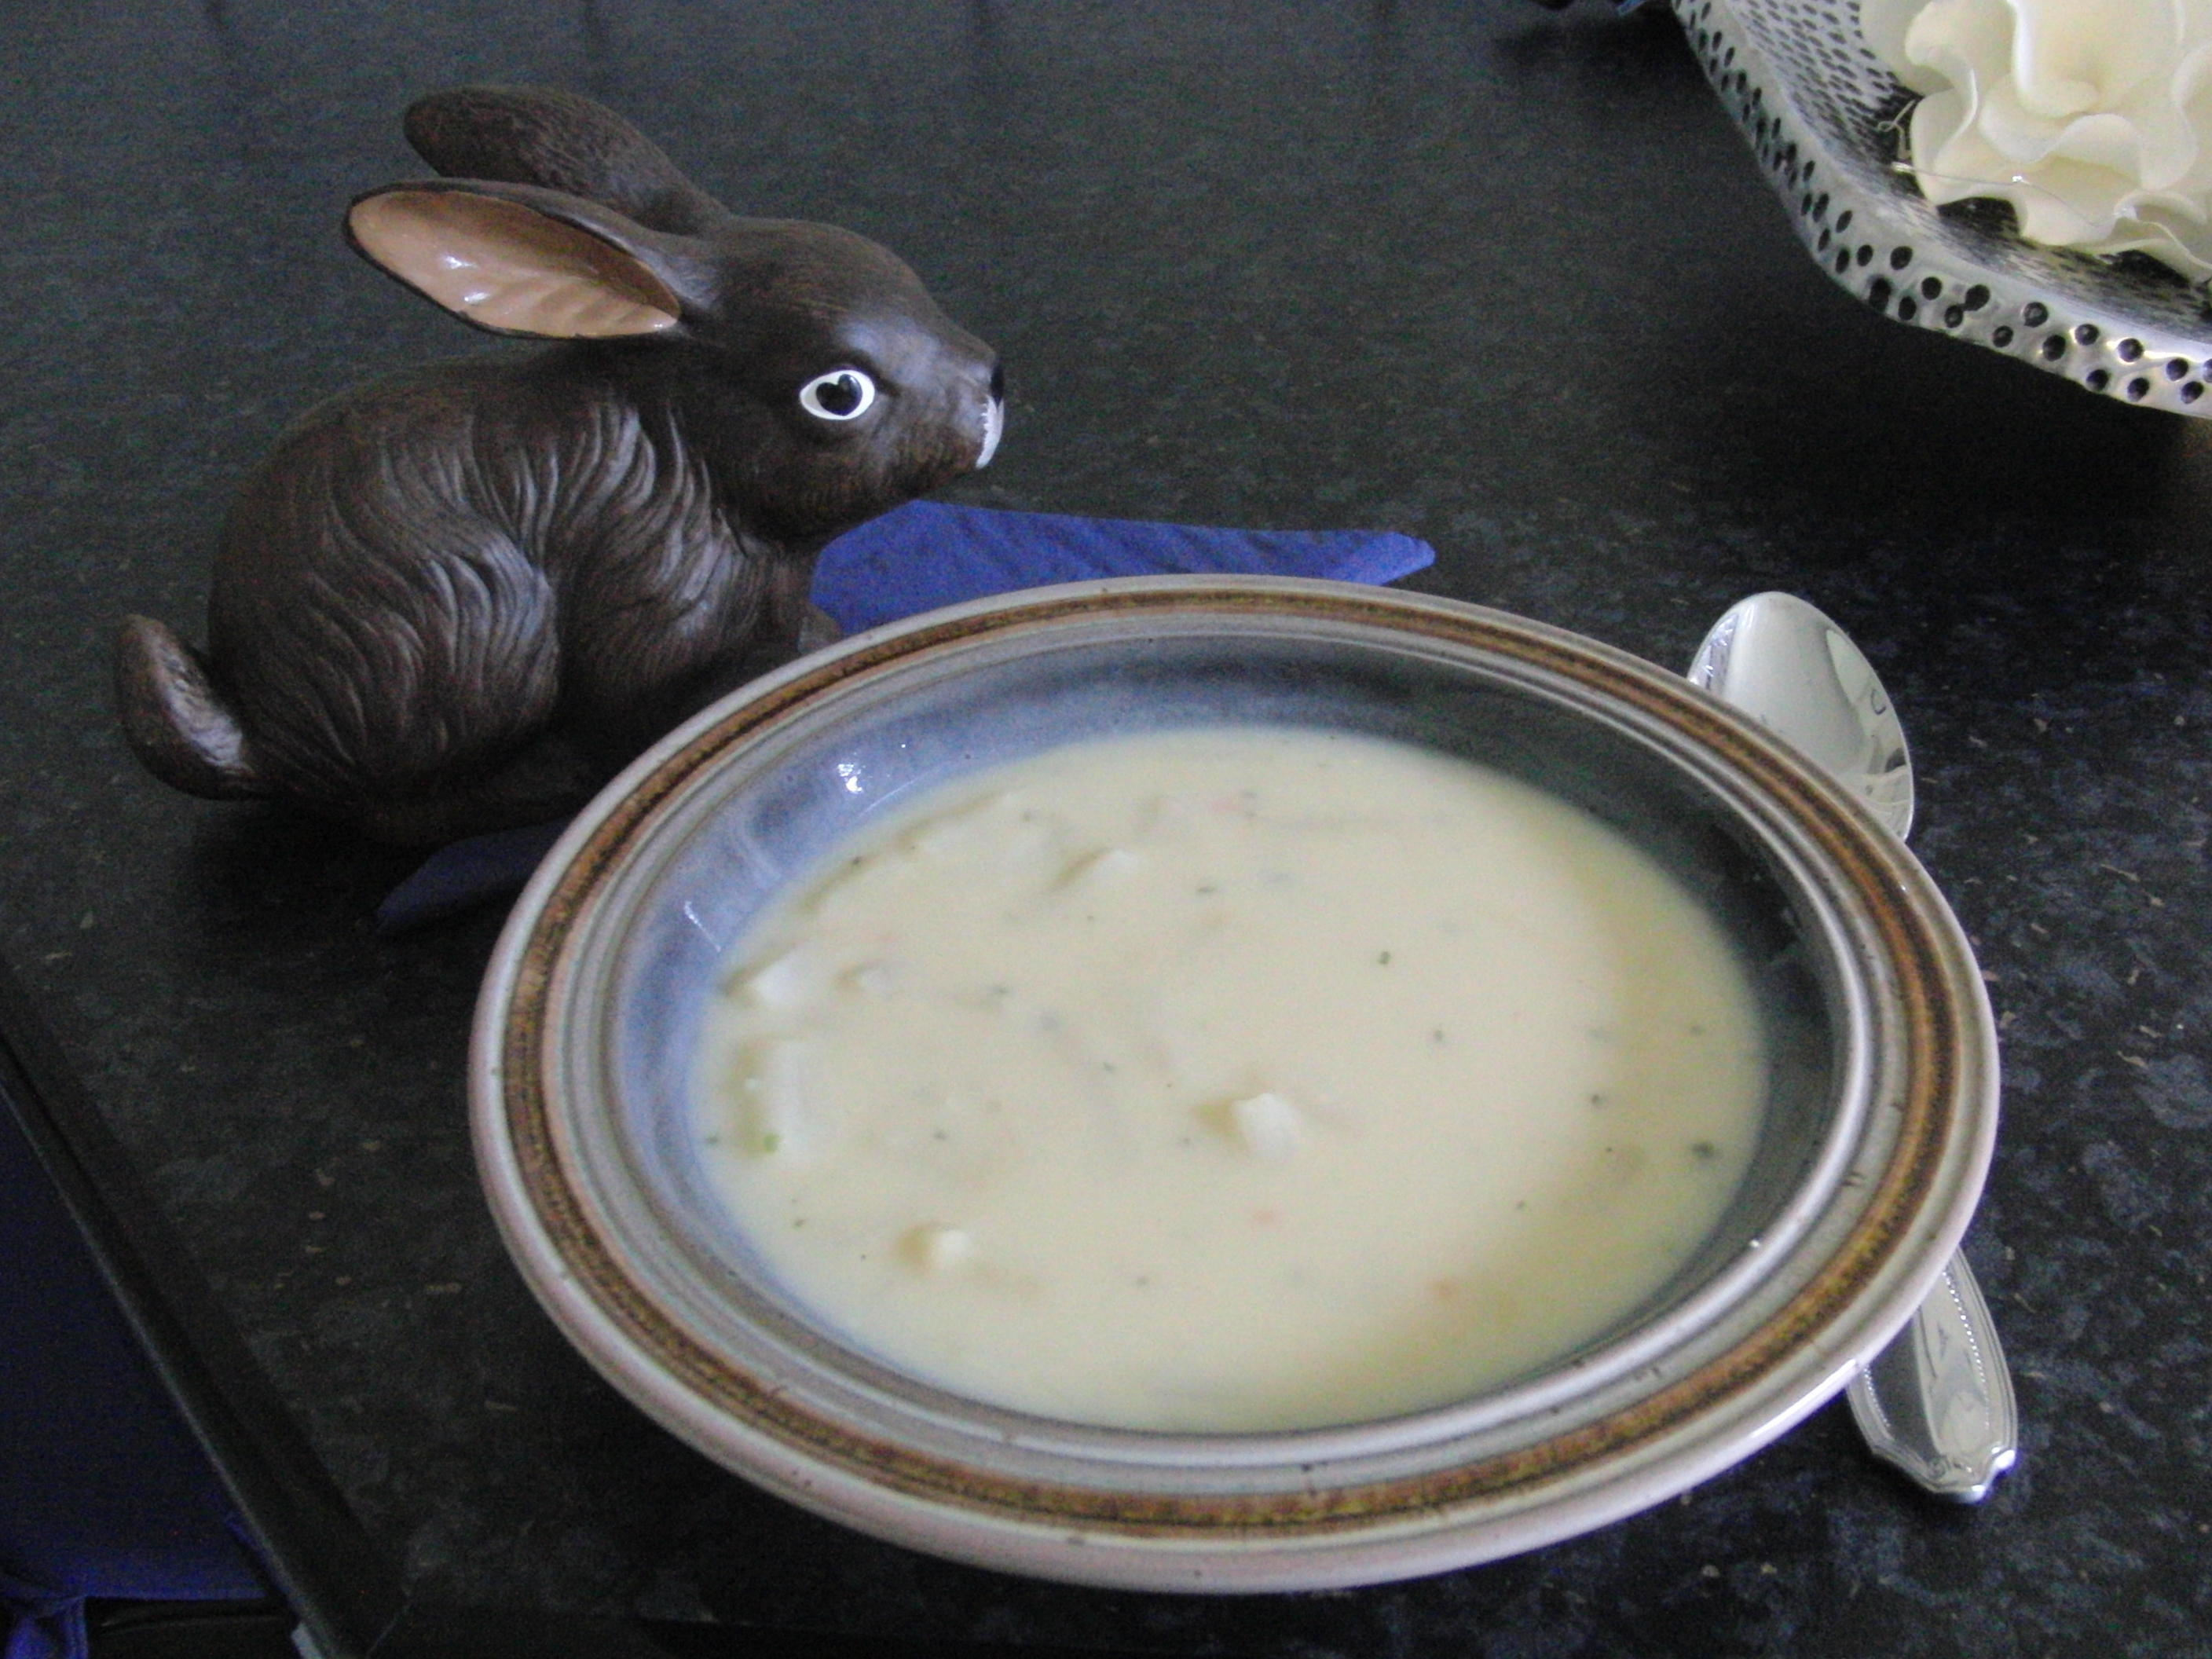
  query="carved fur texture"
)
[{"x": 460, "y": 598}]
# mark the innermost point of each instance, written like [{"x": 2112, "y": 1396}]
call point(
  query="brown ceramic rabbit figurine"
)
[{"x": 461, "y": 599}]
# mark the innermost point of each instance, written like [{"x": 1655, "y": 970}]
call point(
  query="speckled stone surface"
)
[{"x": 1497, "y": 277}]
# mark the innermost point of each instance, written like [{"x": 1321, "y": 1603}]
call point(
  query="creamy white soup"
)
[{"x": 1231, "y": 1080}]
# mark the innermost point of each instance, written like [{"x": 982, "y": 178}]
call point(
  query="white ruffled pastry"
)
[{"x": 2090, "y": 116}]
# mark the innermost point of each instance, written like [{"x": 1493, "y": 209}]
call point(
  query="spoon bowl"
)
[{"x": 1794, "y": 671}]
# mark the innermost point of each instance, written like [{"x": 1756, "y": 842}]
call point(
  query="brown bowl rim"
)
[{"x": 1939, "y": 1027}]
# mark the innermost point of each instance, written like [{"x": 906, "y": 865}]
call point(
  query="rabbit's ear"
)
[
  {"x": 513, "y": 259},
  {"x": 544, "y": 136}
]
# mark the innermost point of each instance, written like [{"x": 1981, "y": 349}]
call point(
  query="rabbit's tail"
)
[{"x": 176, "y": 722}]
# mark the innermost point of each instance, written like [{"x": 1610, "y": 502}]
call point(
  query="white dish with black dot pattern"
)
[{"x": 1825, "y": 118}]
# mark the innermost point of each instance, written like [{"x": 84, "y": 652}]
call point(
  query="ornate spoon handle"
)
[{"x": 1936, "y": 1402}]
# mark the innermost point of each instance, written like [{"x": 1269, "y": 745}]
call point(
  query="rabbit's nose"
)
[
  {"x": 994, "y": 424},
  {"x": 994, "y": 414}
]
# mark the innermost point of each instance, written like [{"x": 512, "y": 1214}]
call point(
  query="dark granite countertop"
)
[{"x": 1504, "y": 279}]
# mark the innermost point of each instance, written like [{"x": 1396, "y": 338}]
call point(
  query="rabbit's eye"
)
[{"x": 842, "y": 394}]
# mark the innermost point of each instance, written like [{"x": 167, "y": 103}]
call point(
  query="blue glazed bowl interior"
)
[{"x": 767, "y": 812}]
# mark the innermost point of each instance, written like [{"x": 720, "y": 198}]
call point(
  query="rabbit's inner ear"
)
[{"x": 508, "y": 267}]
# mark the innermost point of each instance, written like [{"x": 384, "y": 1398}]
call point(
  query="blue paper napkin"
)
[{"x": 925, "y": 554}]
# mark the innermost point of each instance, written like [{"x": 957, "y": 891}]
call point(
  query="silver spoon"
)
[{"x": 1937, "y": 1402}]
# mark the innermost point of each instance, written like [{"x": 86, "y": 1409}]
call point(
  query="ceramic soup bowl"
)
[{"x": 1877, "y": 1124}]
